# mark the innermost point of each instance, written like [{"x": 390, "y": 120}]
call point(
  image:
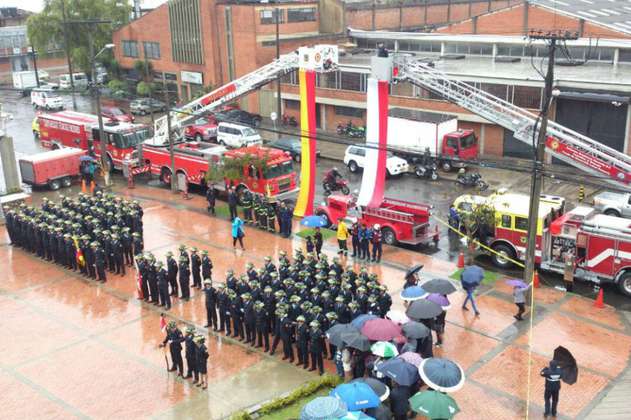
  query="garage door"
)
[{"x": 516, "y": 148}]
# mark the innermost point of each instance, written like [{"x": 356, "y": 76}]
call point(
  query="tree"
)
[
  {"x": 145, "y": 69},
  {"x": 233, "y": 169},
  {"x": 46, "y": 29},
  {"x": 144, "y": 89}
]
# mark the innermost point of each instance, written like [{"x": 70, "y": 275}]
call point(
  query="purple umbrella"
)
[
  {"x": 380, "y": 329},
  {"x": 516, "y": 283},
  {"x": 412, "y": 358},
  {"x": 439, "y": 300}
]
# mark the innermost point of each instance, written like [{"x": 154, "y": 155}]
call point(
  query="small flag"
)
[
  {"x": 78, "y": 254},
  {"x": 163, "y": 323}
]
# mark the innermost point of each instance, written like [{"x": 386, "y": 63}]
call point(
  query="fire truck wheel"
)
[
  {"x": 165, "y": 176},
  {"x": 624, "y": 283},
  {"x": 54, "y": 184},
  {"x": 66, "y": 182},
  {"x": 612, "y": 212},
  {"x": 389, "y": 238},
  {"x": 446, "y": 166},
  {"x": 504, "y": 251}
]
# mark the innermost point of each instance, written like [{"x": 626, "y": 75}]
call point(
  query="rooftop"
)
[{"x": 613, "y": 14}]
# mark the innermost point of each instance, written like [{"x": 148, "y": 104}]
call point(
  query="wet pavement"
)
[{"x": 74, "y": 348}]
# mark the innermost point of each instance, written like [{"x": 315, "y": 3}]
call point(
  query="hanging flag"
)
[
  {"x": 78, "y": 254},
  {"x": 163, "y": 323}
]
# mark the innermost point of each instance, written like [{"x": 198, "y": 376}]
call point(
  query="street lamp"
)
[{"x": 97, "y": 94}]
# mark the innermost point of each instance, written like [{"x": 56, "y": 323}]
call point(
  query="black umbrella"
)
[
  {"x": 567, "y": 363},
  {"x": 413, "y": 270},
  {"x": 356, "y": 340},
  {"x": 334, "y": 334},
  {"x": 440, "y": 286},
  {"x": 399, "y": 371},
  {"x": 423, "y": 309},
  {"x": 415, "y": 330},
  {"x": 441, "y": 374},
  {"x": 381, "y": 389}
]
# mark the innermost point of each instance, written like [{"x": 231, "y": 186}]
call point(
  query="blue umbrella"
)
[
  {"x": 472, "y": 276},
  {"x": 516, "y": 283},
  {"x": 413, "y": 293},
  {"x": 441, "y": 374},
  {"x": 313, "y": 221},
  {"x": 323, "y": 408},
  {"x": 86, "y": 158},
  {"x": 356, "y": 396},
  {"x": 361, "y": 320},
  {"x": 399, "y": 371},
  {"x": 356, "y": 415}
]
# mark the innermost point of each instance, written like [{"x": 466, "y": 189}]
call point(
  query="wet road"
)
[{"x": 407, "y": 187}]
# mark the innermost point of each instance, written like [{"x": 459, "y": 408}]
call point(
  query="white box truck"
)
[
  {"x": 412, "y": 133},
  {"x": 27, "y": 80}
]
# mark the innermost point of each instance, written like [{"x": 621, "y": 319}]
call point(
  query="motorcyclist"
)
[{"x": 331, "y": 176}]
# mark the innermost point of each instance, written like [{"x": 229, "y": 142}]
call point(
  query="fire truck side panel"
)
[
  {"x": 54, "y": 134},
  {"x": 599, "y": 255}
]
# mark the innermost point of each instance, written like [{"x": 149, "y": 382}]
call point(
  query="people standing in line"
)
[
  {"x": 316, "y": 347},
  {"x": 237, "y": 232},
  {"x": 364, "y": 241},
  {"x": 196, "y": 265},
  {"x": 246, "y": 204},
  {"x": 191, "y": 355},
  {"x": 211, "y": 197},
  {"x": 174, "y": 338},
  {"x": 210, "y": 295},
  {"x": 233, "y": 201},
  {"x": 202, "y": 361},
  {"x": 318, "y": 241},
  {"x": 552, "y": 375},
  {"x": 377, "y": 247},
  {"x": 355, "y": 240},
  {"x": 309, "y": 245},
  {"x": 262, "y": 325},
  {"x": 519, "y": 297},
  {"x": 163, "y": 286},
  {"x": 207, "y": 266},
  {"x": 185, "y": 280},
  {"x": 302, "y": 342},
  {"x": 342, "y": 237},
  {"x": 172, "y": 270}
]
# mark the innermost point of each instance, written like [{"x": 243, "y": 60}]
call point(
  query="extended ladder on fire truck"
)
[
  {"x": 319, "y": 58},
  {"x": 565, "y": 144}
]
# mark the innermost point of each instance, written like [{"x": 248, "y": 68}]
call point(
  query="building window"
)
[
  {"x": 348, "y": 111},
  {"x": 268, "y": 43},
  {"x": 302, "y": 14},
  {"x": 186, "y": 33},
  {"x": 130, "y": 49},
  {"x": 327, "y": 80},
  {"x": 527, "y": 96},
  {"x": 267, "y": 16},
  {"x": 152, "y": 50},
  {"x": 350, "y": 81},
  {"x": 289, "y": 104}
]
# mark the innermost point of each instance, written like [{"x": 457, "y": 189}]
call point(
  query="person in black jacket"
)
[
  {"x": 262, "y": 325},
  {"x": 223, "y": 306},
  {"x": 232, "y": 203},
  {"x": 184, "y": 272},
  {"x": 174, "y": 338},
  {"x": 163, "y": 285},
  {"x": 99, "y": 261},
  {"x": 249, "y": 319},
  {"x": 128, "y": 246},
  {"x": 302, "y": 342},
  {"x": 196, "y": 265},
  {"x": 236, "y": 313},
  {"x": 552, "y": 373},
  {"x": 211, "y": 305},
  {"x": 152, "y": 278},
  {"x": 172, "y": 274},
  {"x": 191, "y": 355},
  {"x": 207, "y": 266},
  {"x": 202, "y": 361},
  {"x": 316, "y": 347},
  {"x": 211, "y": 196},
  {"x": 137, "y": 242},
  {"x": 399, "y": 404}
]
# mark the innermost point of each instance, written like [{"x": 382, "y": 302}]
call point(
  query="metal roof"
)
[{"x": 613, "y": 14}]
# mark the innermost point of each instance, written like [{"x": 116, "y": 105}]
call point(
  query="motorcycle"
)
[
  {"x": 426, "y": 171},
  {"x": 344, "y": 129},
  {"x": 339, "y": 185},
  {"x": 357, "y": 132},
  {"x": 472, "y": 180},
  {"x": 289, "y": 121}
]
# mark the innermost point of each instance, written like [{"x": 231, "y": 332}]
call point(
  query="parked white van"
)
[
  {"x": 80, "y": 81},
  {"x": 235, "y": 135},
  {"x": 46, "y": 98}
]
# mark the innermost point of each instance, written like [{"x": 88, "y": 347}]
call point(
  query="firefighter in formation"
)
[
  {"x": 292, "y": 304},
  {"x": 260, "y": 212},
  {"x": 160, "y": 281},
  {"x": 91, "y": 234},
  {"x": 195, "y": 350}
]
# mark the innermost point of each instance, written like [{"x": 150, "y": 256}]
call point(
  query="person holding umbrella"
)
[
  {"x": 471, "y": 277},
  {"x": 552, "y": 374},
  {"x": 237, "y": 232},
  {"x": 519, "y": 297},
  {"x": 399, "y": 401}
]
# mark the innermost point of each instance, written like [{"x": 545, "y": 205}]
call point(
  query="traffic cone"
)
[
  {"x": 461, "y": 260},
  {"x": 83, "y": 189},
  {"x": 535, "y": 280},
  {"x": 599, "y": 302}
]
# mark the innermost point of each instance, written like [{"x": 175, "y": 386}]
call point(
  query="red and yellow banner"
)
[{"x": 304, "y": 205}]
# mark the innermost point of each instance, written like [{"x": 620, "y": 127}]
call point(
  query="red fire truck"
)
[
  {"x": 273, "y": 175},
  {"x": 508, "y": 236},
  {"x": 400, "y": 221},
  {"x": 76, "y": 129},
  {"x": 601, "y": 245}
]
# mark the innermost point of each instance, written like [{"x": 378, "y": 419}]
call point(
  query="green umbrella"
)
[
  {"x": 434, "y": 405},
  {"x": 384, "y": 349}
]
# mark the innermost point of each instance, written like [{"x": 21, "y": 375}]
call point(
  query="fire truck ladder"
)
[
  {"x": 581, "y": 151},
  {"x": 225, "y": 94}
]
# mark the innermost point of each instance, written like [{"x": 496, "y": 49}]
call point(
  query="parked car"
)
[
  {"x": 613, "y": 204},
  {"x": 46, "y": 98},
  {"x": 355, "y": 157},
  {"x": 80, "y": 81},
  {"x": 114, "y": 113},
  {"x": 235, "y": 135},
  {"x": 144, "y": 106},
  {"x": 238, "y": 116},
  {"x": 203, "y": 129},
  {"x": 292, "y": 145}
]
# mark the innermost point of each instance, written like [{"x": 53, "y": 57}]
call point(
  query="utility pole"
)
[
  {"x": 540, "y": 146},
  {"x": 67, "y": 45},
  {"x": 170, "y": 136},
  {"x": 278, "y": 99}
]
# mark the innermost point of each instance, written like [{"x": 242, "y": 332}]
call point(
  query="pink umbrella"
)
[
  {"x": 397, "y": 317},
  {"x": 380, "y": 329},
  {"x": 412, "y": 358}
]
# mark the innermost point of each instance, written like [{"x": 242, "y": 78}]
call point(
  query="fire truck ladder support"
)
[
  {"x": 518, "y": 120},
  {"x": 225, "y": 94}
]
